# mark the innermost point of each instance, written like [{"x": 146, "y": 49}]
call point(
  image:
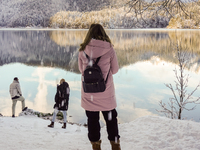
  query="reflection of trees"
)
[
  {"x": 138, "y": 45},
  {"x": 144, "y": 45},
  {"x": 36, "y": 48},
  {"x": 187, "y": 38},
  {"x": 68, "y": 37},
  {"x": 59, "y": 48}
]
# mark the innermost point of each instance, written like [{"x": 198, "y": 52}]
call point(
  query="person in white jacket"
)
[{"x": 16, "y": 95}]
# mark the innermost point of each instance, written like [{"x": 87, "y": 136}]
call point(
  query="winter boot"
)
[
  {"x": 115, "y": 145},
  {"x": 96, "y": 145},
  {"x": 24, "y": 109},
  {"x": 64, "y": 126},
  {"x": 51, "y": 125}
]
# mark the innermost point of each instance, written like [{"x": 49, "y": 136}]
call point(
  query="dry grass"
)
[
  {"x": 191, "y": 20},
  {"x": 78, "y": 20},
  {"x": 113, "y": 17}
]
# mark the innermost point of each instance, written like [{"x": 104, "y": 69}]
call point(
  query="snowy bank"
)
[{"x": 145, "y": 133}]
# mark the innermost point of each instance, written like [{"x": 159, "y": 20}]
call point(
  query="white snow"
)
[{"x": 145, "y": 133}]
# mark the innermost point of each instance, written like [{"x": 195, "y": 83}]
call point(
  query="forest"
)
[{"x": 112, "y": 14}]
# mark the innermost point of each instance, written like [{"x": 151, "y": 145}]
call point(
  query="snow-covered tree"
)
[
  {"x": 144, "y": 9},
  {"x": 181, "y": 96}
]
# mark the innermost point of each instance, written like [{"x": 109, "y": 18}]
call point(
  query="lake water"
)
[{"x": 40, "y": 58}]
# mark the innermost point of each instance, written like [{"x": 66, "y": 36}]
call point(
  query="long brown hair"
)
[
  {"x": 62, "y": 80},
  {"x": 96, "y": 31}
]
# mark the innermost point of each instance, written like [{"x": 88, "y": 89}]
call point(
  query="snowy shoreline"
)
[
  {"x": 66, "y": 29},
  {"x": 45, "y": 116},
  {"x": 145, "y": 133}
]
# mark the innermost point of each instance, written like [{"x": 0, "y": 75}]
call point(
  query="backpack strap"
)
[
  {"x": 97, "y": 60},
  {"x": 107, "y": 76},
  {"x": 87, "y": 56}
]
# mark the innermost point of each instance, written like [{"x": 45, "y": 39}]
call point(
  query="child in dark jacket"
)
[{"x": 61, "y": 102}]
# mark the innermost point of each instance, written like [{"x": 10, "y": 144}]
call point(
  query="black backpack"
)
[{"x": 93, "y": 78}]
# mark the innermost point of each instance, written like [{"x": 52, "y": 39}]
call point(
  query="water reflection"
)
[{"x": 40, "y": 58}]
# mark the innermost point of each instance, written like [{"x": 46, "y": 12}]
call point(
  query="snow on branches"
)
[{"x": 181, "y": 97}]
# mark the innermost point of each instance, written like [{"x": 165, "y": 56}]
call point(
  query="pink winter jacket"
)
[{"x": 103, "y": 101}]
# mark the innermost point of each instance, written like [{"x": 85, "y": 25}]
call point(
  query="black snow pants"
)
[{"x": 94, "y": 125}]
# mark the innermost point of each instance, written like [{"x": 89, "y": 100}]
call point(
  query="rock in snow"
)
[{"x": 145, "y": 133}]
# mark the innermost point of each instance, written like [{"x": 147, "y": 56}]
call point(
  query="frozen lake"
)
[{"x": 40, "y": 58}]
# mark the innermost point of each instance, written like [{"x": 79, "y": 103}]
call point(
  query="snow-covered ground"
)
[{"x": 145, "y": 133}]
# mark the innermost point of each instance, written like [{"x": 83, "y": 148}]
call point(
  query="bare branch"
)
[
  {"x": 192, "y": 92},
  {"x": 171, "y": 88},
  {"x": 181, "y": 84}
]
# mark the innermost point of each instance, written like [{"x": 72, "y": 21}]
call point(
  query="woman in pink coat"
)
[{"x": 96, "y": 44}]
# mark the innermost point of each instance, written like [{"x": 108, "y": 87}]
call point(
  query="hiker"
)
[
  {"x": 16, "y": 95},
  {"x": 98, "y": 44},
  {"x": 62, "y": 101}
]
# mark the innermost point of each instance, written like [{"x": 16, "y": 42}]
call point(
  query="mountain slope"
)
[{"x": 23, "y": 13}]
